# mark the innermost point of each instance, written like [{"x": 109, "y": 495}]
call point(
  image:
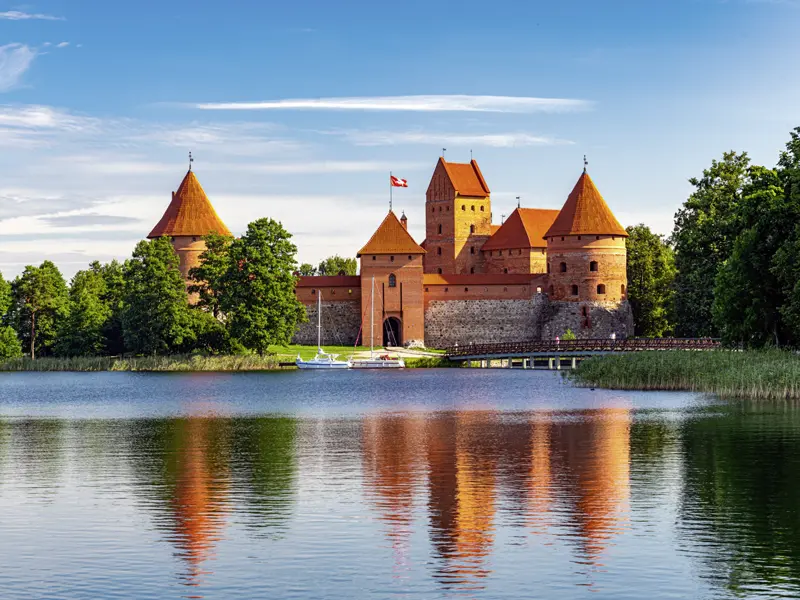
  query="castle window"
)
[
  {"x": 433, "y": 209},
  {"x": 601, "y": 288},
  {"x": 579, "y": 237},
  {"x": 481, "y": 209},
  {"x": 392, "y": 280},
  {"x": 505, "y": 289},
  {"x": 563, "y": 267},
  {"x": 472, "y": 249},
  {"x": 194, "y": 239},
  {"x": 409, "y": 257},
  {"x": 597, "y": 237},
  {"x": 613, "y": 237},
  {"x": 548, "y": 267},
  {"x": 446, "y": 289},
  {"x": 472, "y": 228},
  {"x": 622, "y": 289},
  {"x": 574, "y": 290},
  {"x": 448, "y": 209},
  {"x": 313, "y": 292},
  {"x": 519, "y": 252},
  {"x": 374, "y": 257},
  {"x": 440, "y": 209},
  {"x": 439, "y": 251},
  {"x": 501, "y": 253},
  {"x": 440, "y": 271},
  {"x": 426, "y": 289},
  {"x": 472, "y": 208},
  {"x": 562, "y": 238},
  {"x": 466, "y": 289},
  {"x": 593, "y": 265},
  {"x": 440, "y": 228},
  {"x": 505, "y": 270},
  {"x": 472, "y": 270},
  {"x": 391, "y": 258},
  {"x": 463, "y": 207}
]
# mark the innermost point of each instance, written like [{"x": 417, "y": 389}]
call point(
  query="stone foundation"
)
[
  {"x": 600, "y": 321},
  {"x": 341, "y": 322}
]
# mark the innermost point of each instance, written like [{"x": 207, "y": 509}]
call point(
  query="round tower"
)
[
  {"x": 188, "y": 218},
  {"x": 586, "y": 256}
]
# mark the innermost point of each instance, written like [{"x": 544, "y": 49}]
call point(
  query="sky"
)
[{"x": 299, "y": 110}]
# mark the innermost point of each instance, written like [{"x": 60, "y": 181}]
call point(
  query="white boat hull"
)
[
  {"x": 391, "y": 363},
  {"x": 322, "y": 364}
]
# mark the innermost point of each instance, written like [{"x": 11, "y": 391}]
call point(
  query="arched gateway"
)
[{"x": 392, "y": 332}]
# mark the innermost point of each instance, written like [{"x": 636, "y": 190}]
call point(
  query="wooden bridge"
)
[{"x": 552, "y": 354}]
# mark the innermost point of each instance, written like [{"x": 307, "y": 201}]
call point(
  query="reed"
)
[
  {"x": 145, "y": 363},
  {"x": 757, "y": 375}
]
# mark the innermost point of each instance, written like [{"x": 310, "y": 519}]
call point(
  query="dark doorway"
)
[{"x": 391, "y": 332}]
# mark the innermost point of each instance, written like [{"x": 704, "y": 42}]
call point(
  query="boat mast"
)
[
  {"x": 319, "y": 320},
  {"x": 372, "y": 318}
]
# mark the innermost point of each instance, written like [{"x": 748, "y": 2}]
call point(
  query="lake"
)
[{"x": 414, "y": 484}]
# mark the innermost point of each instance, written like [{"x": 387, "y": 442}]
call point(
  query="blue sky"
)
[{"x": 100, "y": 103}]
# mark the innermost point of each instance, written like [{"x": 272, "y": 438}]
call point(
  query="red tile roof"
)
[
  {"x": 525, "y": 228},
  {"x": 480, "y": 279},
  {"x": 585, "y": 212},
  {"x": 323, "y": 281},
  {"x": 189, "y": 213},
  {"x": 466, "y": 178},
  {"x": 391, "y": 238}
]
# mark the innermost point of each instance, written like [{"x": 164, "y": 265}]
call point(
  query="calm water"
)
[{"x": 424, "y": 484}]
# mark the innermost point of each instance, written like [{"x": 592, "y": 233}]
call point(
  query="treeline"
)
[
  {"x": 245, "y": 291},
  {"x": 731, "y": 267}
]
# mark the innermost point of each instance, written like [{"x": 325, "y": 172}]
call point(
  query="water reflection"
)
[{"x": 455, "y": 497}]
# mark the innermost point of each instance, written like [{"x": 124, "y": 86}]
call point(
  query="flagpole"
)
[{"x": 390, "y": 191}]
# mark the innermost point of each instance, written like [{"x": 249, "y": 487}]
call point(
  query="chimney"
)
[{"x": 404, "y": 221}]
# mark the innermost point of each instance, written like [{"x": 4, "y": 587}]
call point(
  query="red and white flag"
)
[{"x": 396, "y": 182}]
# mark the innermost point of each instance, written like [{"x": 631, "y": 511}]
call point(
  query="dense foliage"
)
[
  {"x": 651, "y": 275},
  {"x": 333, "y": 265},
  {"x": 244, "y": 293}
]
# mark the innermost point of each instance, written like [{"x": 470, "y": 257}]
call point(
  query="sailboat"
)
[
  {"x": 322, "y": 360},
  {"x": 382, "y": 361}
]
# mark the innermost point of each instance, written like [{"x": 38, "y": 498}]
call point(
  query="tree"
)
[
  {"x": 307, "y": 270},
  {"x": 40, "y": 301},
  {"x": 9, "y": 344},
  {"x": 651, "y": 274},
  {"x": 5, "y": 298},
  {"x": 83, "y": 333},
  {"x": 113, "y": 274},
  {"x": 336, "y": 265},
  {"x": 258, "y": 297},
  {"x": 705, "y": 230},
  {"x": 206, "y": 278},
  {"x": 155, "y": 314}
]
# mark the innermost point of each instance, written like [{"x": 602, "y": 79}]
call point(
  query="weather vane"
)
[
  {"x": 191, "y": 160},
  {"x": 518, "y": 205},
  {"x": 443, "y": 151},
  {"x": 585, "y": 163}
]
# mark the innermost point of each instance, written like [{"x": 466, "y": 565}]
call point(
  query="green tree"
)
[
  {"x": 207, "y": 278},
  {"x": 5, "y": 298},
  {"x": 705, "y": 230},
  {"x": 258, "y": 297},
  {"x": 335, "y": 265},
  {"x": 9, "y": 343},
  {"x": 155, "y": 314},
  {"x": 114, "y": 297},
  {"x": 40, "y": 302},
  {"x": 747, "y": 292},
  {"x": 83, "y": 333},
  {"x": 307, "y": 270},
  {"x": 651, "y": 274}
]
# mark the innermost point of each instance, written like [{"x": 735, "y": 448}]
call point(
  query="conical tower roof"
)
[
  {"x": 585, "y": 212},
  {"x": 391, "y": 238},
  {"x": 189, "y": 213}
]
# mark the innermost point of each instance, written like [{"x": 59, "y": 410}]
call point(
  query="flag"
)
[{"x": 396, "y": 182}]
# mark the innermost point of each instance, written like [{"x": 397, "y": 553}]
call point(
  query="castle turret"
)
[
  {"x": 188, "y": 218},
  {"x": 586, "y": 256}
]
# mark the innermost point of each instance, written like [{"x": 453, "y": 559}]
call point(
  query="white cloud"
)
[
  {"x": 494, "y": 140},
  {"x": 328, "y": 166},
  {"x": 15, "y": 59},
  {"x": 16, "y": 15},
  {"x": 62, "y": 45},
  {"x": 442, "y": 103}
]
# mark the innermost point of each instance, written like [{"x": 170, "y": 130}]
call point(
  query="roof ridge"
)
[{"x": 391, "y": 238}]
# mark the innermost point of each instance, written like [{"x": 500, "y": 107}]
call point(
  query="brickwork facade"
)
[
  {"x": 587, "y": 268},
  {"x": 341, "y": 324}
]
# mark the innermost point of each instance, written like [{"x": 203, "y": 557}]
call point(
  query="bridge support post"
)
[
  {"x": 558, "y": 363},
  {"x": 574, "y": 362}
]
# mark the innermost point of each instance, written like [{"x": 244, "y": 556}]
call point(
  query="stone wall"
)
[
  {"x": 341, "y": 322},
  {"x": 451, "y": 322},
  {"x": 587, "y": 320}
]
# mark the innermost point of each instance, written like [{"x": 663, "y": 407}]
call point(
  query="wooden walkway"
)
[{"x": 554, "y": 353}]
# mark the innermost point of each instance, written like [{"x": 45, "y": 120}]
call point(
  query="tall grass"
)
[
  {"x": 145, "y": 363},
  {"x": 432, "y": 362},
  {"x": 756, "y": 375}
]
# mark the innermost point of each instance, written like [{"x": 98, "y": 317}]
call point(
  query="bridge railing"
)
[{"x": 590, "y": 345}]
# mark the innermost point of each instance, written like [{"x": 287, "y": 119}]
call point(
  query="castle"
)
[{"x": 535, "y": 276}]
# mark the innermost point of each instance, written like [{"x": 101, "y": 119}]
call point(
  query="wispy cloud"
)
[
  {"x": 494, "y": 140},
  {"x": 62, "y": 45},
  {"x": 15, "y": 59},
  {"x": 16, "y": 15},
  {"x": 441, "y": 103},
  {"x": 330, "y": 166}
]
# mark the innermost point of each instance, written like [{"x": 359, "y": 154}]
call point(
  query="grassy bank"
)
[
  {"x": 754, "y": 374},
  {"x": 432, "y": 362},
  {"x": 145, "y": 363},
  {"x": 289, "y": 353}
]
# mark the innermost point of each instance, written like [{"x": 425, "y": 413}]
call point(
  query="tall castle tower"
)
[
  {"x": 458, "y": 218},
  {"x": 586, "y": 256},
  {"x": 188, "y": 218}
]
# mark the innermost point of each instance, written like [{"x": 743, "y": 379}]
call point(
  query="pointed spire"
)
[
  {"x": 585, "y": 212},
  {"x": 391, "y": 238},
  {"x": 189, "y": 213}
]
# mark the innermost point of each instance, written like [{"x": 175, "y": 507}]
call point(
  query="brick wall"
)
[
  {"x": 341, "y": 321},
  {"x": 588, "y": 320},
  {"x": 577, "y": 254}
]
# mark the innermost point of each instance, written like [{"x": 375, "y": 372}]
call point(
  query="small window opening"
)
[
  {"x": 574, "y": 290},
  {"x": 446, "y": 289},
  {"x": 392, "y": 280},
  {"x": 579, "y": 237},
  {"x": 472, "y": 208},
  {"x": 373, "y": 258},
  {"x": 481, "y": 209},
  {"x": 440, "y": 228},
  {"x": 463, "y": 207},
  {"x": 601, "y": 288},
  {"x": 548, "y": 267},
  {"x": 505, "y": 270},
  {"x": 563, "y": 267},
  {"x": 439, "y": 271},
  {"x": 593, "y": 265},
  {"x": 466, "y": 289},
  {"x": 622, "y": 289},
  {"x": 562, "y": 238},
  {"x": 597, "y": 237},
  {"x": 472, "y": 270},
  {"x": 391, "y": 258},
  {"x": 472, "y": 249},
  {"x": 472, "y": 228},
  {"x": 439, "y": 251}
]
